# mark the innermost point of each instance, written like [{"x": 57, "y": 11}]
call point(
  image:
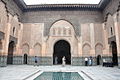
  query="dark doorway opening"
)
[
  {"x": 114, "y": 53},
  {"x": 10, "y": 52},
  {"x": 61, "y": 49},
  {"x": 25, "y": 58},
  {"x": 98, "y": 60}
]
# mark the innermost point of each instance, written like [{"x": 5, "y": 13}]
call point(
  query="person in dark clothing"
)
[
  {"x": 36, "y": 61},
  {"x": 86, "y": 61}
]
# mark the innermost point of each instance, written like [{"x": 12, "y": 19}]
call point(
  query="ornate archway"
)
[
  {"x": 25, "y": 58},
  {"x": 10, "y": 52},
  {"x": 114, "y": 53},
  {"x": 61, "y": 49}
]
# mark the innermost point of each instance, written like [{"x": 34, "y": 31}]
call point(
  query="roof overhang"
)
[
  {"x": 46, "y": 7},
  {"x": 38, "y": 2}
]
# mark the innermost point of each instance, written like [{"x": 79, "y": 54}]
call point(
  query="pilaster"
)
[
  {"x": 92, "y": 38},
  {"x": 6, "y": 42},
  {"x": 106, "y": 50},
  {"x": 18, "y": 46},
  {"x": 117, "y": 33},
  {"x": 116, "y": 26}
]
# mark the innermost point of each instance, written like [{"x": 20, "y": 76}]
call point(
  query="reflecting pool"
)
[{"x": 59, "y": 76}]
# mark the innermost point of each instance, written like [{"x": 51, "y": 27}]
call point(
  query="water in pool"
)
[{"x": 59, "y": 76}]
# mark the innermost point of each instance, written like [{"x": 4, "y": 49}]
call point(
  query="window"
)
[
  {"x": 111, "y": 31},
  {"x": 13, "y": 30},
  {"x": 0, "y": 20},
  {"x": 0, "y": 45}
]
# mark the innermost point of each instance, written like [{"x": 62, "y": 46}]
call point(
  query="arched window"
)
[
  {"x": 0, "y": 20},
  {"x": 0, "y": 46},
  {"x": 111, "y": 29},
  {"x": 13, "y": 30},
  {"x": 37, "y": 49},
  {"x": 25, "y": 58},
  {"x": 86, "y": 50}
]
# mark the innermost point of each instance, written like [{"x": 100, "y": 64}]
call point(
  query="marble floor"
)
[{"x": 29, "y": 72}]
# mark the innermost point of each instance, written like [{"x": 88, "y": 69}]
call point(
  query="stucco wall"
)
[{"x": 75, "y": 17}]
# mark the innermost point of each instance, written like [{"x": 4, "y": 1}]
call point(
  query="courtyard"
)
[
  {"x": 53, "y": 35},
  {"x": 29, "y": 72}
]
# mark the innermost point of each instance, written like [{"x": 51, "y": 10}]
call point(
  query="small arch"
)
[
  {"x": 10, "y": 52},
  {"x": 86, "y": 43},
  {"x": 99, "y": 44},
  {"x": 99, "y": 59},
  {"x": 25, "y": 58},
  {"x": 106, "y": 17},
  {"x": 37, "y": 49},
  {"x": 98, "y": 49},
  {"x": 86, "y": 50},
  {"x": 25, "y": 48}
]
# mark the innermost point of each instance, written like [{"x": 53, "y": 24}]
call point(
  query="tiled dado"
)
[
  {"x": 46, "y": 61},
  {"x": 119, "y": 61},
  {"x": 17, "y": 60},
  {"x": 80, "y": 61},
  {"x": 107, "y": 58},
  {"x": 3, "y": 61},
  {"x": 75, "y": 61},
  {"x": 41, "y": 60}
]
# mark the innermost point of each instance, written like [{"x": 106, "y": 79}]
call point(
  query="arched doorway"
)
[
  {"x": 25, "y": 58},
  {"x": 10, "y": 52},
  {"x": 61, "y": 49},
  {"x": 114, "y": 53},
  {"x": 98, "y": 60}
]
